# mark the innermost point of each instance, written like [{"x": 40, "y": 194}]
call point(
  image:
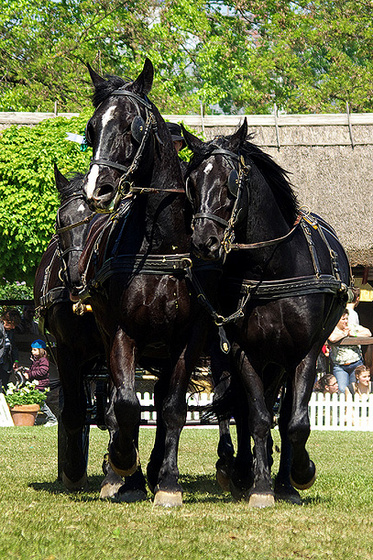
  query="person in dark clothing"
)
[
  {"x": 8, "y": 351},
  {"x": 39, "y": 371}
]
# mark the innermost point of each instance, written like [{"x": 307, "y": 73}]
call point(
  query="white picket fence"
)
[{"x": 329, "y": 412}]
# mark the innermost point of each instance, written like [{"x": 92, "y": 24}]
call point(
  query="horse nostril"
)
[
  {"x": 104, "y": 191},
  {"x": 212, "y": 243}
]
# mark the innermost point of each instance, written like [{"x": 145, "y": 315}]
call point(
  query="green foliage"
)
[
  {"x": 231, "y": 56},
  {"x": 27, "y": 394},
  {"x": 29, "y": 199},
  {"x": 15, "y": 290}
]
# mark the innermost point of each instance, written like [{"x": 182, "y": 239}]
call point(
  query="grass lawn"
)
[{"x": 41, "y": 522}]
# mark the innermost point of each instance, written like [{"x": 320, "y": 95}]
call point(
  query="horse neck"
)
[
  {"x": 155, "y": 225},
  {"x": 264, "y": 218},
  {"x": 264, "y": 222},
  {"x": 46, "y": 276}
]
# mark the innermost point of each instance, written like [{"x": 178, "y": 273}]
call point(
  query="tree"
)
[
  {"x": 232, "y": 56},
  {"x": 29, "y": 199}
]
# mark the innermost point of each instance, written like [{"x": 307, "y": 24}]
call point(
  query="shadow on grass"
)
[
  {"x": 197, "y": 489},
  {"x": 56, "y": 487}
]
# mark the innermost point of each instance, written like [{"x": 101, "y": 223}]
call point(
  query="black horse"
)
[
  {"x": 284, "y": 288},
  {"x": 136, "y": 279},
  {"x": 79, "y": 347}
]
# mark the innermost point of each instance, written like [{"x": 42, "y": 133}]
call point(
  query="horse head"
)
[
  {"x": 123, "y": 133},
  {"x": 213, "y": 186},
  {"x": 72, "y": 223}
]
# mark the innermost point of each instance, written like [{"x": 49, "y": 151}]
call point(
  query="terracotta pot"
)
[{"x": 24, "y": 414}]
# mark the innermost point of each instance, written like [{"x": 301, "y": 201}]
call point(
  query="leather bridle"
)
[{"x": 63, "y": 272}]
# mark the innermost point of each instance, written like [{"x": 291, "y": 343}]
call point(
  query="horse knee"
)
[{"x": 127, "y": 407}]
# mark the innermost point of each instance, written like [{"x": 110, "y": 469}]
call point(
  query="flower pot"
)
[{"x": 24, "y": 414}]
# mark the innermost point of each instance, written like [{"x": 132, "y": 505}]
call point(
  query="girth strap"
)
[{"x": 289, "y": 287}]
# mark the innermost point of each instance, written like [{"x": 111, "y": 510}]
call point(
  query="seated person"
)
[
  {"x": 326, "y": 384},
  {"x": 346, "y": 358},
  {"x": 362, "y": 385}
]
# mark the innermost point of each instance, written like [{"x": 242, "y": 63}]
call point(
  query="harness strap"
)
[
  {"x": 311, "y": 246},
  {"x": 289, "y": 287},
  {"x": 213, "y": 217},
  {"x": 270, "y": 242}
]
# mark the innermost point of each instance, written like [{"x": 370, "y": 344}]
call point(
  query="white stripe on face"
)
[
  {"x": 81, "y": 209},
  {"x": 208, "y": 168},
  {"x": 91, "y": 181},
  {"x": 94, "y": 171}
]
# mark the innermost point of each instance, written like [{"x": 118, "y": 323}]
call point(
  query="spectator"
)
[
  {"x": 175, "y": 130},
  {"x": 323, "y": 362},
  {"x": 27, "y": 324},
  {"x": 362, "y": 385},
  {"x": 39, "y": 370},
  {"x": 9, "y": 358},
  {"x": 346, "y": 358},
  {"x": 326, "y": 384}
]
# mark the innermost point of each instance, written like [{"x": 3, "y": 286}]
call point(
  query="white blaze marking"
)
[
  {"x": 208, "y": 168},
  {"x": 81, "y": 208},
  {"x": 94, "y": 172}
]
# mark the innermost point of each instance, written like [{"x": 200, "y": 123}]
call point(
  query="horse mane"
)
[
  {"x": 276, "y": 177},
  {"x": 106, "y": 88},
  {"x": 73, "y": 185}
]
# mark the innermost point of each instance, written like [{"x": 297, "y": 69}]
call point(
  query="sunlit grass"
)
[{"x": 39, "y": 521}]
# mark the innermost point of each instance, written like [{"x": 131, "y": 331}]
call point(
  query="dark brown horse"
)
[
  {"x": 144, "y": 305},
  {"x": 78, "y": 343},
  {"x": 284, "y": 288}
]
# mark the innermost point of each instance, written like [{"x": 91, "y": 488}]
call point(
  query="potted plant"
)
[{"x": 24, "y": 402}]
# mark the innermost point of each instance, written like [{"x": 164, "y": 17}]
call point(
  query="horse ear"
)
[
  {"x": 192, "y": 141},
  {"x": 143, "y": 83},
  {"x": 240, "y": 136},
  {"x": 61, "y": 181},
  {"x": 96, "y": 78}
]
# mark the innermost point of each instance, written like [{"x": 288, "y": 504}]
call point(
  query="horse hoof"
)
[
  {"x": 80, "y": 485},
  {"x": 223, "y": 480},
  {"x": 286, "y": 493},
  {"x": 123, "y": 473},
  {"x": 307, "y": 484},
  {"x": 261, "y": 500},
  {"x": 109, "y": 489},
  {"x": 130, "y": 496},
  {"x": 168, "y": 499}
]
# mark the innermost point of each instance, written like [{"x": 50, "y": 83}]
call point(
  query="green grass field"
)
[{"x": 39, "y": 521}]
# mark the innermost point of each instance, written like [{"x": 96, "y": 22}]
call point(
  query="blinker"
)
[
  {"x": 233, "y": 183},
  {"x": 138, "y": 128}
]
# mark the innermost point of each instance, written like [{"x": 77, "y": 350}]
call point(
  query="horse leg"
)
[
  {"x": 303, "y": 470},
  {"x": 158, "y": 451},
  {"x": 168, "y": 491},
  {"x": 283, "y": 489},
  {"x": 73, "y": 416},
  {"x": 132, "y": 488},
  {"x": 222, "y": 388},
  {"x": 259, "y": 421},
  {"x": 123, "y": 453}
]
